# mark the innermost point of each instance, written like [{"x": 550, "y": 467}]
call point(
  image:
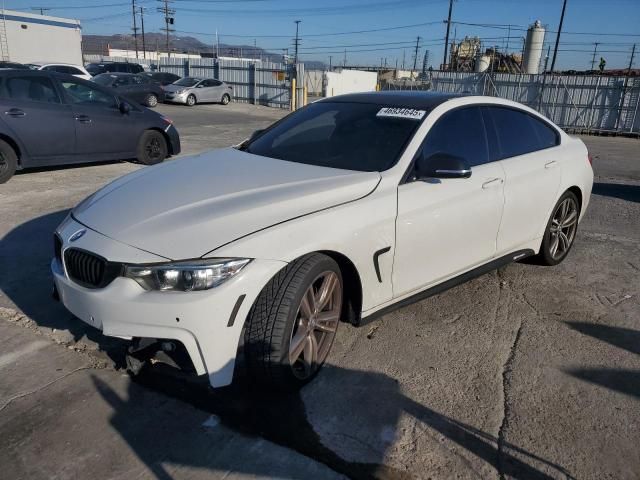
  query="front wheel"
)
[
  {"x": 151, "y": 101},
  {"x": 191, "y": 100},
  {"x": 293, "y": 322},
  {"x": 152, "y": 148},
  {"x": 561, "y": 230},
  {"x": 8, "y": 161}
]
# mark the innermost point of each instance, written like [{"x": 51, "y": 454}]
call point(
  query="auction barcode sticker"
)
[{"x": 398, "y": 112}]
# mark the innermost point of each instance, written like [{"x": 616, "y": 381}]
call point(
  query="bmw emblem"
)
[{"x": 77, "y": 235}]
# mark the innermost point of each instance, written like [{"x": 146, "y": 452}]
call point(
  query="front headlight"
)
[
  {"x": 186, "y": 276},
  {"x": 180, "y": 92}
]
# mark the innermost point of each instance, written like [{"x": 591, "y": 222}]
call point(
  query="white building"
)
[{"x": 28, "y": 37}]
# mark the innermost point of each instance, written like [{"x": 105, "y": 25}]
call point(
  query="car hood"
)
[
  {"x": 174, "y": 88},
  {"x": 187, "y": 207}
]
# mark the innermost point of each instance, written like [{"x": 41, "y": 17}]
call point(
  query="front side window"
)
[
  {"x": 80, "y": 93},
  {"x": 352, "y": 136},
  {"x": 459, "y": 133},
  {"x": 31, "y": 88},
  {"x": 518, "y": 132}
]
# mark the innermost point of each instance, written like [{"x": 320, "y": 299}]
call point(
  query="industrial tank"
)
[
  {"x": 533, "y": 48},
  {"x": 482, "y": 62}
]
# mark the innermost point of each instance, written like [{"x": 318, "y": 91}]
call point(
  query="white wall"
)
[
  {"x": 350, "y": 81},
  {"x": 34, "y": 38},
  {"x": 150, "y": 55}
]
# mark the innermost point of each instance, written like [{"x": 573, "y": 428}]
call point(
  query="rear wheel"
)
[
  {"x": 151, "y": 100},
  {"x": 225, "y": 99},
  {"x": 152, "y": 148},
  {"x": 561, "y": 230},
  {"x": 8, "y": 161},
  {"x": 191, "y": 100},
  {"x": 291, "y": 327}
]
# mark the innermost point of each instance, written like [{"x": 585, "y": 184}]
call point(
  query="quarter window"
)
[
  {"x": 35, "y": 89},
  {"x": 518, "y": 133},
  {"x": 460, "y": 133}
]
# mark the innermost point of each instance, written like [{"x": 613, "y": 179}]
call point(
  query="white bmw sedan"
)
[{"x": 341, "y": 211}]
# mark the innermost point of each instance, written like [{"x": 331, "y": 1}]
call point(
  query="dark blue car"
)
[{"x": 53, "y": 119}]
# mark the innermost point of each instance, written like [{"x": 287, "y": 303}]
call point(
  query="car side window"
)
[
  {"x": 122, "y": 81},
  {"x": 31, "y": 88},
  {"x": 80, "y": 93},
  {"x": 215, "y": 83},
  {"x": 460, "y": 133},
  {"x": 139, "y": 80},
  {"x": 519, "y": 133}
]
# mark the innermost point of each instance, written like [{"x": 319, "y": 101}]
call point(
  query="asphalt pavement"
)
[{"x": 527, "y": 372}]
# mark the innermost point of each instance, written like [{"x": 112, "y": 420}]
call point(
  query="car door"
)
[
  {"x": 217, "y": 89},
  {"x": 103, "y": 132},
  {"x": 139, "y": 88},
  {"x": 447, "y": 226},
  {"x": 33, "y": 110},
  {"x": 528, "y": 149},
  {"x": 124, "y": 86}
]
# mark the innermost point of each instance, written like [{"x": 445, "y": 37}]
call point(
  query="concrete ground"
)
[{"x": 528, "y": 372}]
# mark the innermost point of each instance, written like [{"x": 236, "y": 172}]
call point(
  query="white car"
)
[
  {"x": 341, "y": 211},
  {"x": 68, "y": 68}
]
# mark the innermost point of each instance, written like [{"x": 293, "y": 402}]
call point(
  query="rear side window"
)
[
  {"x": 460, "y": 133},
  {"x": 518, "y": 133},
  {"x": 84, "y": 94},
  {"x": 64, "y": 69},
  {"x": 35, "y": 89}
]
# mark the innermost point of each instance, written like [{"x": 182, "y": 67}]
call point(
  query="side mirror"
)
[
  {"x": 442, "y": 165},
  {"x": 124, "y": 107}
]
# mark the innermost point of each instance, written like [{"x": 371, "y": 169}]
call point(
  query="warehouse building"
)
[{"x": 28, "y": 37}]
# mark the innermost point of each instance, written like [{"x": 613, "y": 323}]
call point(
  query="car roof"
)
[
  {"x": 404, "y": 98},
  {"x": 119, "y": 74},
  {"x": 54, "y": 63}
]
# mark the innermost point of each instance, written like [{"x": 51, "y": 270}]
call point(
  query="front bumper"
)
[
  {"x": 201, "y": 321},
  {"x": 174, "y": 139},
  {"x": 175, "y": 98}
]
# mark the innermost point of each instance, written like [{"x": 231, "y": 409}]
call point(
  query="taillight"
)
[{"x": 590, "y": 158}]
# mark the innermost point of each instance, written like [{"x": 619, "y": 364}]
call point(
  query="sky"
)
[{"x": 387, "y": 30}]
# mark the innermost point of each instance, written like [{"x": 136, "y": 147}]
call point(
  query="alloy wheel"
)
[
  {"x": 152, "y": 101},
  {"x": 315, "y": 325},
  {"x": 563, "y": 228},
  {"x": 153, "y": 149},
  {"x": 3, "y": 164}
]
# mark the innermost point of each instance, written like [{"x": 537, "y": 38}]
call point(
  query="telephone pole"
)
[
  {"x": 415, "y": 56},
  {"x": 330, "y": 60},
  {"x": 555, "y": 49},
  {"x": 168, "y": 20},
  {"x": 135, "y": 27},
  {"x": 404, "y": 53},
  {"x": 593, "y": 59},
  {"x": 633, "y": 54},
  {"x": 446, "y": 39},
  {"x": 296, "y": 43},
  {"x": 144, "y": 46}
]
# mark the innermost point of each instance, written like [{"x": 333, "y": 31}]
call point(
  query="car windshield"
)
[
  {"x": 353, "y": 136},
  {"x": 186, "y": 82},
  {"x": 104, "y": 79}
]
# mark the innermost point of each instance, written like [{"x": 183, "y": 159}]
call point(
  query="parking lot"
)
[{"x": 527, "y": 372}]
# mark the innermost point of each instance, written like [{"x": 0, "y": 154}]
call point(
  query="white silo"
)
[
  {"x": 533, "y": 48},
  {"x": 483, "y": 62}
]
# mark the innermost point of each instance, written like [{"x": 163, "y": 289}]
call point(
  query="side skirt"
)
[{"x": 446, "y": 285}]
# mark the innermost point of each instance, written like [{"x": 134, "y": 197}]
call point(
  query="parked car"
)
[
  {"x": 75, "y": 70},
  {"x": 192, "y": 90},
  {"x": 342, "y": 211},
  {"x": 109, "y": 67},
  {"x": 12, "y": 65},
  {"x": 163, "y": 78},
  {"x": 139, "y": 88},
  {"x": 54, "y": 119}
]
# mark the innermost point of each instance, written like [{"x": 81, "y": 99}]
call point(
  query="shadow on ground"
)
[
  {"x": 617, "y": 379},
  {"x": 630, "y": 193}
]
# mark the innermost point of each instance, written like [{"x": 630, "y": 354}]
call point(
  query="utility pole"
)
[
  {"x": 296, "y": 43},
  {"x": 446, "y": 39},
  {"x": 415, "y": 56},
  {"x": 135, "y": 28},
  {"x": 217, "y": 45},
  {"x": 404, "y": 53},
  {"x": 330, "y": 60},
  {"x": 144, "y": 45},
  {"x": 345, "y": 58},
  {"x": 633, "y": 54},
  {"x": 168, "y": 20},
  {"x": 555, "y": 49},
  {"x": 593, "y": 59}
]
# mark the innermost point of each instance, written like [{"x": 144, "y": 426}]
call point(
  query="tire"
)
[
  {"x": 283, "y": 348},
  {"x": 225, "y": 99},
  {"x": 152, "y": 148},
  {"x": 191, "y": 100},
  {"x": 557, "y": 242},
  {"x": 8, "y": 161},
  {"x": 151, "y": 100}
]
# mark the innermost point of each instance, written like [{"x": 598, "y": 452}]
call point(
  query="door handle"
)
[
  {"x": 15, "y": 112},
  {"x": 494, "y": 182},
  {"x": 83, "y": 119},
  {"x": 550, "y": 164}
]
